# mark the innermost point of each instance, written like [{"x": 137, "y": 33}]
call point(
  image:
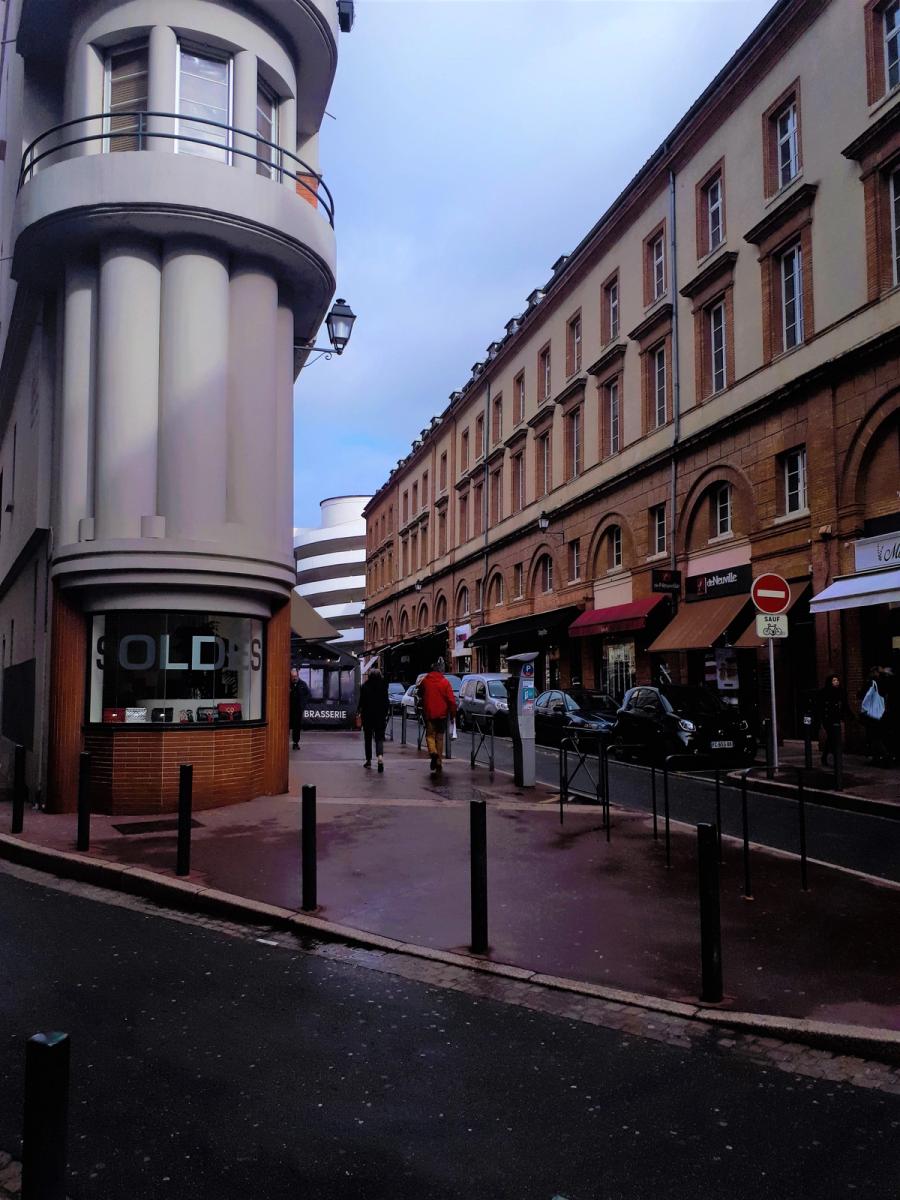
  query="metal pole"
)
[
  {"x": 745, "y": 822},
  {"x": 83, "y": 839},
  {"x": 448, "y": 741},
  {"x": 185, "y": 800},
  {"x": 719, "y": 811},
  {"x": 838, "y": 758},
  {"x": 653, "y": 797},
  {"x": 308, "y": 848},
  {"x": 772, "y": 701},
  {"x": 801, "y": 813},
  {"x": 478, "y": 859},
  {"x": 767, "y": 743},
  {"x": 403, "y": 725},
  {"x": 563, "y": 775},
  {"x": 19, "y": 791},
  {"x": 603, "y": 751},
  {"x": 666, "y": 815},
  {"x": 807, "y": 742},
  {"x": 710, "y": 922},
  {"x": 46, "y": 1118}
]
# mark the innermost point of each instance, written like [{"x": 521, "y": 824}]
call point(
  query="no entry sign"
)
[{"x": 770, "y": 594}]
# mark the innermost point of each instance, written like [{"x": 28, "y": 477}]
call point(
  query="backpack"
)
[{"x": 873, "y": 703}]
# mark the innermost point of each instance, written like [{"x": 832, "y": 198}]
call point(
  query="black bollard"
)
[
  {"x": 807, "y": 741},
  {"x": 838, "y": 758},
  {"x": 666, "y": 816},
  {"x": 710, "y": 923},
  {"x": 478, "y": 859},
  {"x": 448, "y": 740},
  {"x": 45, "y": 1127},
  {"x": 403, "y": 725},
  {"x": 308, "y": 848},
  {"x": 801, "y": 815},
  {"x": 745, "y": 824},
  {"x": 653, "y": 798},
  {"x": 603, "y": 751},
  {"x": 185, "y": 801},
  {"x": 19, "y": 791},
  {"x": 719, "y": 811},
  {"x": 83, "y": 839}
]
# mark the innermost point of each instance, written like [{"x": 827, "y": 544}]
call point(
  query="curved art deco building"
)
[
  {"x": 171, "y": 245},
  {"x": 331, "y": 567}
]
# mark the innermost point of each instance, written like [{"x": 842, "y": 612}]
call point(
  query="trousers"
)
[
  {"x": 376, "y": 732},
  {"x": 434, "y": 736}
]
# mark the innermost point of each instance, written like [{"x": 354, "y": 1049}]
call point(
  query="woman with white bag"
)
[{"x": 872, "y": 714}]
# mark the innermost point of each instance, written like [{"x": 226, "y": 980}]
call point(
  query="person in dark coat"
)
[
  {"x": 298, "y": 698},
  {"x": 832, "y": 711},
  {"x": 373, "y": 709}
]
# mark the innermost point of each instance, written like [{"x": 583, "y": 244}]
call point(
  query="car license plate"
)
[{"x": 721, "y": 745}]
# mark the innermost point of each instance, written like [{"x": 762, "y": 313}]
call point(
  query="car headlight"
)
[
  {"x": 502, "y": 706},
  {"x": 743, "y": 726},
  {"x": 592, "y": 725},
  {"x": 687, "y": 726}
]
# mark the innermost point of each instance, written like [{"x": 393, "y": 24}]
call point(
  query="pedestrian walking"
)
[
  {"x": 297, "y": 706},
  {"x": 438, "y": 703},
  {"x": 374, "y": 707},
  {"x": 831, "y": 709}
]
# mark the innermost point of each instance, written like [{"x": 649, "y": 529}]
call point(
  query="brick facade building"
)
[{"x": 707, "y": 387}]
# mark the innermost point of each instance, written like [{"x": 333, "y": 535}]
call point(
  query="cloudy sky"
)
[{"x": 470, "y": 143}]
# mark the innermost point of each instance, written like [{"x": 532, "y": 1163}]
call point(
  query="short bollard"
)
[
  {"x": 666, "y": 817},
  {"x": 710, "y": 924},
  {"x": 185, "y": 802},
  {"x": 745, "y": 829},
  {"x": 308, "y": 899},
  {"x": 719, "y": 811},
  {"x": 838, "y": 743},
  {"x": 83, "y": 838},
  {"x": 46, "y": 1119},
  {"x": 478, "y": 858},
  {"x": 403, "y": 726},
  {"x": 801, "y": 816},
  {"x": 19, "y": 791}
]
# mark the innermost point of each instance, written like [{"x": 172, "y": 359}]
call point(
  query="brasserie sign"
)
[{"x": 874, "y": 553}]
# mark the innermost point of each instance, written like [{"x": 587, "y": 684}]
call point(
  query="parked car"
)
[
  {"x": 408, "y": 701},
  {"x": 558, "y": 713},
  {"x": 484, "y": 696},
  {"x": 396, "y": 692},
  {"x": 654, "y": 722}
]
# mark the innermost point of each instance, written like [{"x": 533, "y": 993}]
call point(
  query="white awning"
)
[{"x": 859, "y": 591}]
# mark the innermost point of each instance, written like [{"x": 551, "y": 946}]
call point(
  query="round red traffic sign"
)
[{"x": 770, "y": 594}]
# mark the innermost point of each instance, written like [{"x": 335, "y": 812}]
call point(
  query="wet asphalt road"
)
[
  {"x": 856, "y": 840},
  {"x": 217, "y": 1067}
]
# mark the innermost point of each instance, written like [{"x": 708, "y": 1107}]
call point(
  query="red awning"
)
[{"x": 621, "y": 618}]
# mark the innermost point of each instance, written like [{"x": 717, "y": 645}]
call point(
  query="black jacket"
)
[
  {"x": 299, "y": 697},
  {"x": 373, "y": 701}
]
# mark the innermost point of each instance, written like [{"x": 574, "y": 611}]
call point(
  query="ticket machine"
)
[{"x": 520, "y": 691}]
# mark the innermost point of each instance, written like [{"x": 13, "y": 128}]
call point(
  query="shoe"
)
[
  {"x": 439, "y": 769},
  {"x": 367, "y": 763},
  {"x": 434, "y": 763},
  {"x": 380, "y": 767},
  {"x": 296, "y": 745}
]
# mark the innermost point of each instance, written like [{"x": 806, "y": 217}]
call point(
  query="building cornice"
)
[
  {"x": 717, "y": 268},
  {"x": 792, "y": 204},
  {"x": 607, "y": 358}
]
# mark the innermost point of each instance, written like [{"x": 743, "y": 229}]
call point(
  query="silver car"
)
[{"x": 484, "y": 696}]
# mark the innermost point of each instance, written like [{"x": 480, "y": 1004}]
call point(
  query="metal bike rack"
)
[
  {"x": 483, "y": 730},
  {"x": 581, "y": 746},
  {"x": 801, "y": 823}
]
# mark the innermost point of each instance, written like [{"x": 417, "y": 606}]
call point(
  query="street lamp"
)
[
  {"x": 339, "y": 324},
  {"x": 418, "y": 585},
  {"x": 543, "y": 523}
]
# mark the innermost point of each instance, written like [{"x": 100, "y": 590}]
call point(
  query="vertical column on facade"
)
[
  {"x": 252, "y": 386},
  {"x": 193, "y": 389},
  {"x": 76, "y": 412},
  {"x": 85, "y": 98},
  {"x": 246, "y": 71},
  {"x": 287, "y": 138},
  {"x": 284, "y": 428},
  {"x": 127, "y": 390},
  {"x": 162, "y": 57}
]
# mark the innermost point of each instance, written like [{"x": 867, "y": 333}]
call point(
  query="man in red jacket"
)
[{"x": 438, "y": 703}]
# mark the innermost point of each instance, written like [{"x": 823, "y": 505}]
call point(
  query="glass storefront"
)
[{"x": 175, "y": 668}]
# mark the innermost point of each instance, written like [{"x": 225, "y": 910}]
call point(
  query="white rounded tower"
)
[{"x": 331, "y": 567}]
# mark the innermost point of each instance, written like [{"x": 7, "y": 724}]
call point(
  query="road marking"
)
[{"x": 267, "y": 941}]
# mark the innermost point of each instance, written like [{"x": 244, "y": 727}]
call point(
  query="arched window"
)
[
  {"x": 440, "y": 610},
  {"x": 462, "y": 605},
  {"x": 423, "y": 616},
  {"x": 544, "y": 581},
  {"x": 404, "y": 623},
  {"x": 613, "y": 543},
  {"x": 496, "y": 594},
  {"x": 388, "y": 628},
  {"x": 721, "y": 510}
]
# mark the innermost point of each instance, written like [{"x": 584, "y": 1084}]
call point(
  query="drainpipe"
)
[{"x": 676, "y": 373}]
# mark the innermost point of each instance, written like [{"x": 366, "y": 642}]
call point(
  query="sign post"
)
[{"x": 772, "y": 596}]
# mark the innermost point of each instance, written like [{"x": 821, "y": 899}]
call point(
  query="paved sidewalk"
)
[
  {"x": 861, "y": 779},
  {"x": 393, "y": 860}
]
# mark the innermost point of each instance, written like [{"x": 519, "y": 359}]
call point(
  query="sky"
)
[{"x": 470, "y": 143}]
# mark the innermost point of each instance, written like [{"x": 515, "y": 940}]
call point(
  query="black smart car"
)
[
  {"x": 558, "y": 714},
  {"x": 654, "y": 722}
]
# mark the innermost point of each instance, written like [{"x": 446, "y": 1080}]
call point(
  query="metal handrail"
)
[{"x": 320, "y": 192}]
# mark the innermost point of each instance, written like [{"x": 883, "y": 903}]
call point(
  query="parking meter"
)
[{"x": 520, "y": 693}]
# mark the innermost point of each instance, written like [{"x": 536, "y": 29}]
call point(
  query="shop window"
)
[
  {"x": 204, "y": 103},
  {"x": 126, "y": 96},
  {"x": 175, "y": 668}
]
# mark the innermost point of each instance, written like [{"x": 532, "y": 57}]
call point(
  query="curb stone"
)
[{"x": 857, "y": 1040}]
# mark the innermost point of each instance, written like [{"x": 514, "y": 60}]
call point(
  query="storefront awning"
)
[
  {"x": 859, "y": 591},
  {"x": 699, "y": 626},
  {"x": 749, "y": 639},
  {"x": 620, "y": 618},
  {"x": 306, "y": 622},
  {"x": 538, "y": 626}
]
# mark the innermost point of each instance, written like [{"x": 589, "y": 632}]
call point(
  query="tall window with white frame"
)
[
  {"x": 266, "y": 130},
  {"x": 519, "y": 398},
  {"x": 788, "y": 142},
  {"x": 717, "y": 346},
  {"x": 658, "y": 529},
  {"x": 615, "y": 547},
  {"x": 574, "y": 440},
  {"x": 518, "y": 482},
  {"x": 574, "y": 561},
  {"x": 204, "y": 102},
  {"x": 518, "y": 580},
  {"x": 658, "y": 259},
  {"x": 127, "y": 73},
  {"x": 613, "y": 415},
  {"x": 612, "y": 308},
  {"x": 544, "y": 374},
  {"x": 543, "y": 464},
  {"x": 715, "y": 222},
  {"x": 721, "y": 522},
  {"x": 795, "y": 498},
  {"x": 546, "y": 573},
  {"x": 895, "y": 224},
  {"x": 658, "y": 382},
  {"x": 892, "y": 44},
  {"x": 791, "y": 298}
]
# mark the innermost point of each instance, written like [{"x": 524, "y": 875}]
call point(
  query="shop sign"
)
[
  {"x": 875, "y": 552},
  {"x": 461, "y": 635},
  {"x": 668, "y": 582},
  {"x": 730, "y": 581}
]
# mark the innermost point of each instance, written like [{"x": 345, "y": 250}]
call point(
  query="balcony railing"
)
[{"x": 222, "y": 142}]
